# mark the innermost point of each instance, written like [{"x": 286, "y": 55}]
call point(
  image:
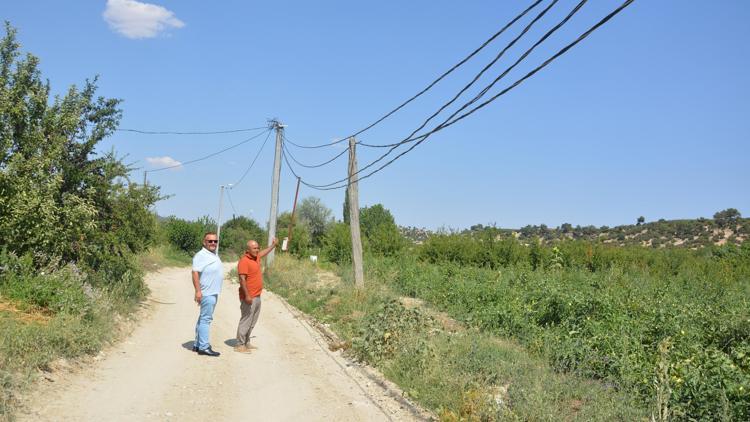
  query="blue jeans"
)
[{"x": 208, "y": 303}]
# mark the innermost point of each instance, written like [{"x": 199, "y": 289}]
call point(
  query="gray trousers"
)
[{"x": 248, "y": 318}]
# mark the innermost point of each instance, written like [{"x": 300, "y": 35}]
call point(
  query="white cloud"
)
[
  {"x": 165, "y": 161},
  {"x": 135, "y": 19}
]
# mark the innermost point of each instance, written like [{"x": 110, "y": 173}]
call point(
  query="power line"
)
[
  {"x": 286, "y": 160},
  {"x": 479, "y": 75},
  {"x": 312, "y": 166},
  {"x": 424, "y": 137},
  {"x": 515, "y": 84},
  {"x": 433, "y": 83},
  {"x": 146, "y": 132},
  {"x": 456, "y": 66},
  {"x": 410, "y": 138},
  {"x": 229, "y": 196},
  {"x": 316, "y": 146},
  {"x": 210, "y": 155},
  {"x": 254, "y": 159}
]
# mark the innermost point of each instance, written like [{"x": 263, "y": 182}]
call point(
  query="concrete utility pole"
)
[
  {"x": 218, "y": 222},
  {"x": 275, "y": 189},
  {"x": 359, "y": 277},
  {"x": 291, "y": 221}
]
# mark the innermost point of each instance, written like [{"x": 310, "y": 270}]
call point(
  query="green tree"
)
[
  {"x": 187, "y": 236},
  {"x": 640, "y": 221},
  {"x": 728, "y": 217},
  {"x": 300, "y": 243},
  {"x": 337, "y": 243},
  {"x": 375, "y": 217},
  {"x": 316, "y": 216},
  {"x": 380, "y": 231},
  {"x": 236, "y": 232},
  {"x": 61, "y": 200}
]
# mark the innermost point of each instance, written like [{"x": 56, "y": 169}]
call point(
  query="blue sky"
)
[{"x": 648, "y": 116}]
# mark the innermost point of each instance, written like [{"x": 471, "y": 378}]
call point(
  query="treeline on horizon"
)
[{"x": 727, "y": 226}]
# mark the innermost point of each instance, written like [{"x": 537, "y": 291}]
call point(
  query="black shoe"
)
[
  {"x": 208, "y": 352},
  {"x": 195, "y": 348}
]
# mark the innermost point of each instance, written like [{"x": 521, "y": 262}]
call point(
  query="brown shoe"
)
[{"x": 241, "y": 348}]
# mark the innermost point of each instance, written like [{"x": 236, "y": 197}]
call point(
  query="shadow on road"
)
[{"x": 231, "y": 342}]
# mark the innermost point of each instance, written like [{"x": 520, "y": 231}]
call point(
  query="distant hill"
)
[{"x": 727, "y": 226}]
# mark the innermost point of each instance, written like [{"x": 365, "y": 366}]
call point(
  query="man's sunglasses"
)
[{"x": 212, "y": 241}]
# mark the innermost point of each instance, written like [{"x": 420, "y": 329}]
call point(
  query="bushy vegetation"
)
[
  {"x": 667, "y": 326},
  {"x": 669, "y": 323},
  {"x": 380, "y": 236},
  {"x": 337, "y": 244},
  {"x": 459, "y": 374},
  {"x": 234, "y": 236},
  {"x": 62, "y": 204},
  {"x": 72, "y": 222},
  {"x": 186, "y": 236}
]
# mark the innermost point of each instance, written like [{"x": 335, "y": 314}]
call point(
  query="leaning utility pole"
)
[
  {"x": 352, "y": 189},
  {"x": 275, "y": 189},
  {"x": 291, "y": 220}
]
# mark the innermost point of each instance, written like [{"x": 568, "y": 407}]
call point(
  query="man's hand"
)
[
  {"x": 197, "y": 286},
  {"x": 275, "y": 241}
]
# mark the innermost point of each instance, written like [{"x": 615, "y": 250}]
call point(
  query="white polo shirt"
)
[{"x": 209, "y": 266}]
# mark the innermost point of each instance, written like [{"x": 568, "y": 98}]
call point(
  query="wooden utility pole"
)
[
  {"x": 275, "y": 189},
  {"x": 359, "y": 277},
  {"x": 291, "y": 221}
]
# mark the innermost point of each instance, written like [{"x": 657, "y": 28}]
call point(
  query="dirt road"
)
[{"x": 153, "y": 374}]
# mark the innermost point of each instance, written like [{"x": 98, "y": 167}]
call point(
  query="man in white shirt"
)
[{"x": 207, "y": 280}]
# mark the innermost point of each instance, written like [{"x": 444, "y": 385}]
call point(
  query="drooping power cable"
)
[
  {"x": 423, "y": 137},
  {"x": 210, "y": 155}
]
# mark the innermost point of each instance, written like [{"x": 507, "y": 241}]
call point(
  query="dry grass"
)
[{"x": 25, "y": 314}]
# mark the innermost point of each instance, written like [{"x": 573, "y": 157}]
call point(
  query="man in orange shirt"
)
[{"x": 251, "y": 285}]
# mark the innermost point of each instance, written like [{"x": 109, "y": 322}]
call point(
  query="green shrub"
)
[
  {"x": 605, "y": 313},
  {"x": 388, "y": 329},
  {"x": 235, "y": 234},
  {"x": 337, "y": 244},
  {"x": 301, "y": 244},
  {"x": 54, "y": 289},
  {"x": 461, "y": 375},
  {"x": 187, "y": 236}
]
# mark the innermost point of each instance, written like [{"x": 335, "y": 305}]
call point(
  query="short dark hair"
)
[{"x": 207, "y": 233}]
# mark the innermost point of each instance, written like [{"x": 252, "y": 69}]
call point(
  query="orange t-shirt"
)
[{"x": 250, "y": 268}]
